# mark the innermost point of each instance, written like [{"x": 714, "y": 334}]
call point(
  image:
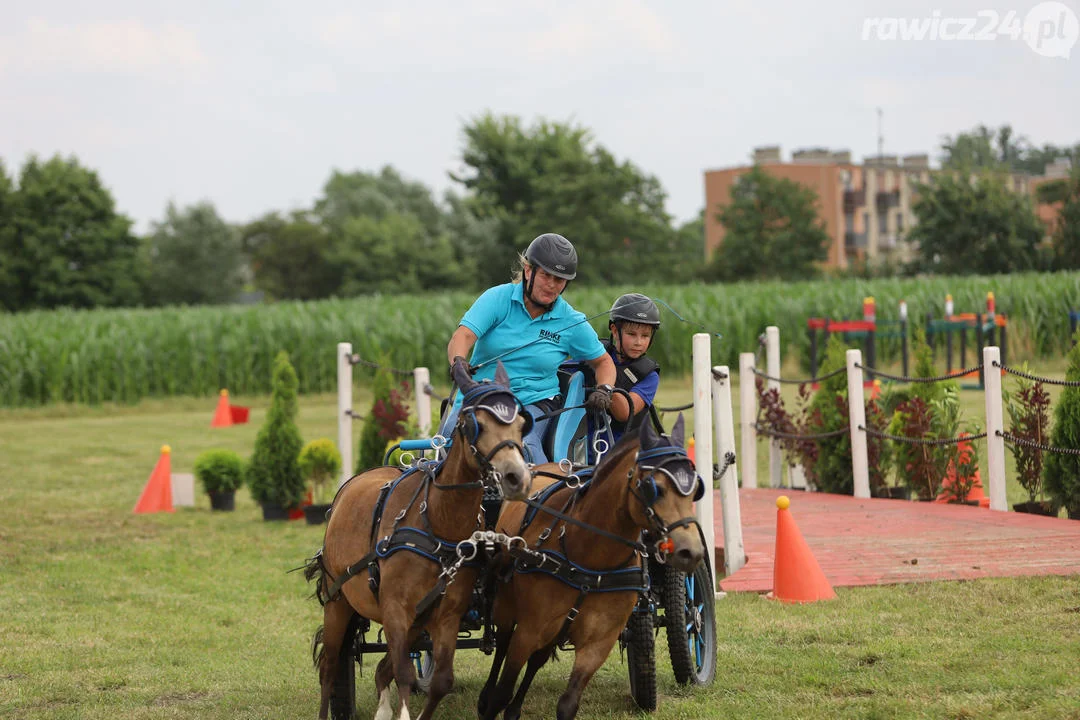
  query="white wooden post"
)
[
  {"x": 856, "y": 419},
  {"x": 421, "y": 379},
  {"x": 747, "y": 419},
  {"x": 772, "y": 369},
  {"x": 344, "y": 406},
  {"x": 703, "y": 441},
  {"x": 995, "y": 443},
  {"x": 734, "y": 550}
]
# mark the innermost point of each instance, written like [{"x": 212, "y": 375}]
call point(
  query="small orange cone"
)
[
  {"x": 157, "y": 493},
  {"x": 223, "y": 415},
  {"x": 797, "y": 577},
  {"x": 976, "y": 493}
]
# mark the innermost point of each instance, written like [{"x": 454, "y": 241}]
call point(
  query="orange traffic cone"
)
[
  {"x": 797, "y": 577},
  {"x": 223, "y": 415},
  {"x": 948, "y": 493},
  {"x": 157, "y": 493}
]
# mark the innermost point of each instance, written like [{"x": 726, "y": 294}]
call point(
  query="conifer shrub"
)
[
  {"x": 1062, "y": 472},
  {"x": 274, "y": 471}
]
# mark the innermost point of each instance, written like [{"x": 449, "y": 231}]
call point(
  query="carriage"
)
[{"x": 681, "y": 603}]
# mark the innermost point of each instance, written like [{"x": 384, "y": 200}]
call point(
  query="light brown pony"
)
[
  {"x": 645, "y": 483},
  {"x": 486, "y": 449}
]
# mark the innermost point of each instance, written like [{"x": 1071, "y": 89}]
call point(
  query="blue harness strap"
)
[{"x": 584, "y": 475}]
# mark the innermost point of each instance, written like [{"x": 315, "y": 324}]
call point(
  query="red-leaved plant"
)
[
  {"x": 391, "y": 414},
  {"x": 1029, "y": 416}
]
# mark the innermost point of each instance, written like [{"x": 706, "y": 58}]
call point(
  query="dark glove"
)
[
  {"x": 460, "y": 372},
  {"x": 599, "y": 400}
]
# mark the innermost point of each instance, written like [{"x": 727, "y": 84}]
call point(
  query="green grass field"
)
[{"x": 105, "y": 614}]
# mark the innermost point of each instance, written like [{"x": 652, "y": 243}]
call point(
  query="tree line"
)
[{"x": 63, "y": 242}]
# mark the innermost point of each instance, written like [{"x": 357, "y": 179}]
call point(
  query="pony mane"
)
[{"x": 626, "y": 443}]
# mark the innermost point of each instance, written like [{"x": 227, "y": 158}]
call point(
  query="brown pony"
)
[
  {"x": 646, "y": 483},
  {"x": 400, "y": 532}
]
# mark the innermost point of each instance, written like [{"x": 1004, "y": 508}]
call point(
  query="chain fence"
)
[
  {"x": 1011, "y": 439},
  {"x": 355, "y": 359},
  {"x": 922, "y": 441},
  {"x": 1036, "y": 378},
  {"x": 910, "y": 379},
  {"x": 770, "y": 432},
  {"x": 801, "y": 381}
]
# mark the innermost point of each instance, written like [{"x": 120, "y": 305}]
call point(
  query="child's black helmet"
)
[
  {"x": 555, "y": 254},
  {"x": 636, "y": 308}
]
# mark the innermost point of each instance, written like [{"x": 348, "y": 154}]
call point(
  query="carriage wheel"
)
[
  {"x": 691, "y": 633},
  {"x": 424, "y": 663},
  {"x": 673, "y": 594},
  {"x": 343, "y": 691},
  {"x": 641, "y": 659}
]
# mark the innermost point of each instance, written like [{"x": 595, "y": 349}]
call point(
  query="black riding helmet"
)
[
  {"x": 554, "y": 254},
  {"x": 634, "y": 308}
]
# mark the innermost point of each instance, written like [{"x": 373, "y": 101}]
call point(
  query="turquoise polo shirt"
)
[{"x": 501, "y": 323}]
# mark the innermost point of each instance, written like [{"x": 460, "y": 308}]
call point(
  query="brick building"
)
[{"x": 866, "y": 207}]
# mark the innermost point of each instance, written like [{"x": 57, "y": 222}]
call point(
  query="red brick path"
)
[{"x": 879, "y": 542}]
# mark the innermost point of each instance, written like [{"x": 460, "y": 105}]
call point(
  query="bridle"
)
[
  {"x": 647, "y": 493},
  {"x": 502, "y": 405}
]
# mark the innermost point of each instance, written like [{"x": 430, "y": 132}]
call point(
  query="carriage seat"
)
[{"x": 569, "y": 427}]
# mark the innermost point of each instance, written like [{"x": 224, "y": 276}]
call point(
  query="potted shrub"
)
[
  {"x": 1061, "y": 474},
  {"x": 924, "y": 411},
  {"x": 274, "y": 471},
  {"x": 1029, "y": 419},
  {"x": 924, "y": 467},
  {"x": 221, "y": 473},
  {"x": 320, "y": 465}
]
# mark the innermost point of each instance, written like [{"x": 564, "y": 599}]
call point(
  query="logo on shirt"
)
[{"x": 550, "y": 336}]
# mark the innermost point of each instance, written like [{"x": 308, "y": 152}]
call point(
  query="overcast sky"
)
[{"x": 251, "y": 104}]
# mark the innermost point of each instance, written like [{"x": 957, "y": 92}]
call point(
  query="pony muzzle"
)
[
  {"x": 513, "y": 476},
  {"x": 683, "y": 549}
]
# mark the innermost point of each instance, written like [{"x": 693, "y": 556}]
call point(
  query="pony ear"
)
[
  {"x": 501, "y": 378},
  {"x": 647, "y": 435},
  {"x": 677, "y": 432}
]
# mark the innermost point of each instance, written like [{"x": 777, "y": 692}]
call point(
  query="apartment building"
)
[{"x": 866, "y": 208}]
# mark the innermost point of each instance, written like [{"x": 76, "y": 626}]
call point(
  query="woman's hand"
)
[
  {"x": 599, "y": 400},
  {"x": 460, "y": 372}
]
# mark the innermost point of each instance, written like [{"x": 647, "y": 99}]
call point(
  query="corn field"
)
[{"x": 122, "y": 356}]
